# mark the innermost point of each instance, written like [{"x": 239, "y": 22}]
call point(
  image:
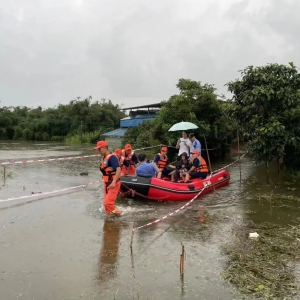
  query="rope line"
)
[
  {"x": 49, "y": 193},
  {"x": 189, "y": 202}
]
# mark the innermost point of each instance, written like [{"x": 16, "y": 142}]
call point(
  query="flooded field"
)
[{"x": 64, "y": 247}]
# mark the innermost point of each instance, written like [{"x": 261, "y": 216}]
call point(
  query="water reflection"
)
[
  {"x": 109, "y": 253},
  {"x": 195, "y": 224},
  {"x": 277, "y": 202}
]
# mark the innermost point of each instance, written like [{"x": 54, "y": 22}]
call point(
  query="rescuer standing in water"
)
[{"x": 111, "y": 170}]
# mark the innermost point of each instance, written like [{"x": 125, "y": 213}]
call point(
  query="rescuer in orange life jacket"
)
[
  {"x": 199, "y": 166},
  {"x": 124, "y": 164},
  {"x": 161, "y": 161},
  {"x": 131, "y": 157},
  {"x": 111, "y": 170}
]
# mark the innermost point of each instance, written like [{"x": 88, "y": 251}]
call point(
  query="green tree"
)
[
  {"x": 91, "y": 119},
  {"x": 141, "y": 136},
  {"x": 266, "y": 107},
  {"x": 195, "y": 103}
]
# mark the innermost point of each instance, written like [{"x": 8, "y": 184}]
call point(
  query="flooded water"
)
[{"x": 64, "y": 247}]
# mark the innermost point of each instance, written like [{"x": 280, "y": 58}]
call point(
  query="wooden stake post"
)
[
  {"x": 240, "y": 167},
  {"x": 182, "y": 256}
]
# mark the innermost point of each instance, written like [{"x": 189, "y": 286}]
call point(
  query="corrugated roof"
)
[
  {"x": 116, "y": 133},
  {"x": 155, "y": 105}
]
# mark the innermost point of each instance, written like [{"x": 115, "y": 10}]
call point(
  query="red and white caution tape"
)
[
  {"x": 229, "y": 165},
  {"x": 45, "y": 160},
  {"x": 145, "y": 148},
  {"x": 49, "y": 193},
  {"x": 202, "y": 149},
  {"x": 188, "y": 203},
  {"x": 59, "y": 158},
  {"x": 172, "y": 213}
]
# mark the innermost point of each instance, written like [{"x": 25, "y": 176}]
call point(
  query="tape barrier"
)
[
  {"x": 59, "y": 158},
  {"x": 229, "y": 165},
  {"x": 45, "y": 160},
  {"x": 145, "y": 148},
  {"x": 172, "y": 213},
  {"x": 202, "y": 149},
  {"x": 75, "y": 187},
  {"x": 49, "y": 193},
  {"x": 4, "y": 163},
  {"x": 188, "y": 203}
]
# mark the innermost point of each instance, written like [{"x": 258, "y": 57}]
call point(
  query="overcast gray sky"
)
[{"x": 134, "y": 51}]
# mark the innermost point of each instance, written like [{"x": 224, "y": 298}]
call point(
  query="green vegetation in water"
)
[
  {"x": 6, "y": 173},
  {"x": 85, "y": 138},
  {"x": 264, "y": 267},
  {"x": 269, "y": 177}
]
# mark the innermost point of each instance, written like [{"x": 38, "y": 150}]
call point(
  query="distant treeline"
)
[
  {"x": 82, "y": 118},
  {"x": 264, "y": 111}
]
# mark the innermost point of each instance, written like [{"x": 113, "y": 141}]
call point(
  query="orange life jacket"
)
[
  {"x": 121, "y": 161},
  {"x": 128, "y": 157},
  {"x": 203, "y": 166},
  {"x": 108, "y": 173},
  {"x": 161, "y": 164}
]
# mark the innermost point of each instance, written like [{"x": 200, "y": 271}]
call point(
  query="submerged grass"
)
[
  {"x": 5, "y": 174},
  {"x": 85, "y": 138},
  {"x": 264, "y": 267}
]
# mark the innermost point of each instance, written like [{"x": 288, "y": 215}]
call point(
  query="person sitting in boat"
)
[
  {"x": 131, "y": 157},
  {"x": 199, "y": 167},
  {"x": 146, "y": 169},
  {"x": 124, "y": 164},
  {"x": 182, "y": 167},
  {"x": 162, "y": 162}
]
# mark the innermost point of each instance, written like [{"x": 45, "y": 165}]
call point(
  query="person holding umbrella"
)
[
  {"x": 183, "y": 144},
  {"x": 194, "y": 143}
]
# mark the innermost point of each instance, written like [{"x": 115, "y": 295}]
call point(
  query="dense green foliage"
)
[
  {"x": 195, "y": 103},
  {"x": 266, "y": 107},
  {"x": 78, "y": 118}
]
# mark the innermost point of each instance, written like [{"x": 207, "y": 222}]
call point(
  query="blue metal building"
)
[{"x": 137, "y": 115}]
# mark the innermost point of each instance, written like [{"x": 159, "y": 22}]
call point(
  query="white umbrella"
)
[{"x": 183, "y": 126}]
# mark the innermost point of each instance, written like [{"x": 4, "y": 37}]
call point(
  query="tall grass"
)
[{"x": 85, "y": 138}]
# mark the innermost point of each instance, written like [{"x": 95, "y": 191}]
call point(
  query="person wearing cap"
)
[
  {"x": 199, "y": 167},
  {"x": 162, "y": 162},
  {"x": 132, "y": 159},
  {"x": 111, "y": 170},
  {"x": 195, "y": 144},
  {"x": 124, "y": 164}
]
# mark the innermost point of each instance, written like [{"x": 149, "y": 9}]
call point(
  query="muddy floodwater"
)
[{"x": 62, "y": 246}]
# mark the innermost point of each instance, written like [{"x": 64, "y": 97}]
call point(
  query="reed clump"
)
[{"x": 265, "y": 266}]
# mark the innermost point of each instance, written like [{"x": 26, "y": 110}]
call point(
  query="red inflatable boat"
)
[{"x": 166, "y": 190}]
